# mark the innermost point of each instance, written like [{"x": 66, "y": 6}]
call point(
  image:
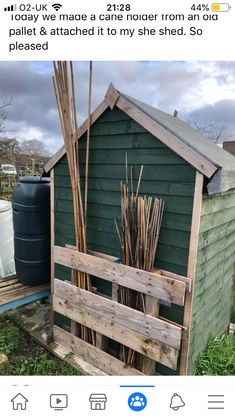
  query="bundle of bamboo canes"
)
[
  {"x": 64, "y": 86},
  {"x": 141, "y": 219}
]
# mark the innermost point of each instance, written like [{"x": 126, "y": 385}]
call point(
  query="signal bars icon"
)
[{"x": 11, "y": 8}]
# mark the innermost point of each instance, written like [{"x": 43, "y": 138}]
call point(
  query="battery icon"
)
[{"x": 220, "y": 7}]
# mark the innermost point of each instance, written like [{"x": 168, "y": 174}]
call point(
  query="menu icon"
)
[{"x": 215, "y": 401}]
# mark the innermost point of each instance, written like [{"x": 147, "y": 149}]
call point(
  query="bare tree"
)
[
  {"x": 35, "y": 148},
  {"x": 3, "y": 116},
  {"x": 8, "y": 146},
  {"x": 217, "y": 133},
  {"x": 2, "y": 119}
]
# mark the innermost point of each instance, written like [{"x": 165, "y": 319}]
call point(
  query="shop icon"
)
[
  {"x": 137, "y": 401},
  {"x": 98, "y": 401}
]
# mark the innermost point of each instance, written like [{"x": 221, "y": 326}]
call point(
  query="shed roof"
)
[{"x": 209, "y": 159}]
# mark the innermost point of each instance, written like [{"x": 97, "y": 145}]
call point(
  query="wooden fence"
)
[{"x": 156, "y": 338}]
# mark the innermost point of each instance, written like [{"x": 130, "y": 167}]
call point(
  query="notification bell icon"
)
[{"x": 176, "y": 402}]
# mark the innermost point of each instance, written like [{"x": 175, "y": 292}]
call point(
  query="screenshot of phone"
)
[{"x": 117, "y": 209}]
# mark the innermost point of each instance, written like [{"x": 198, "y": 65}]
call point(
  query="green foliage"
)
[
  {"x": 39, "y": 363},
  {"x": 7, "y": 183},
  {"x": 10, "y": 337},
  {"x": 26, "y": 358},
  {"x": 218, "y": 357}
]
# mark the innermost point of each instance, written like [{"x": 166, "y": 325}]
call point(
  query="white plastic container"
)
[{"x": 7, "y": 263}]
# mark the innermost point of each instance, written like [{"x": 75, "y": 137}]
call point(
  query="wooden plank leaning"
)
[
  {"x": 152, "y": 349},
  {"x": 146, "y": 325},
  {"x": 93, "y": 354},
  {"x": 151, "y": 284}
]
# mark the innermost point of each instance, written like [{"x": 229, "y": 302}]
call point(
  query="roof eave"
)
[{"x": 114, "y": 98}]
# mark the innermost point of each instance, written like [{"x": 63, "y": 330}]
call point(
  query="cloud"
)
[
  {"x": 218, "y": 115},
  {"x": 201, "y": 90}
]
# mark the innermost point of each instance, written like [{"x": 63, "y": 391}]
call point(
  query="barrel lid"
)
[
  {"x": 5, "y": 205},
  {"x": 34, "y": 179}
]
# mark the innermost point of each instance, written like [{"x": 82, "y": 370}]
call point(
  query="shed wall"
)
[
  {"x": 214, "y": 273},
  {"x": 165, "y": 175}
]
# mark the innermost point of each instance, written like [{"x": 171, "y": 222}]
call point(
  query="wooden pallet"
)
[
  {"x": 14, "y": 294},
  {"x": 155, "y": 338}
]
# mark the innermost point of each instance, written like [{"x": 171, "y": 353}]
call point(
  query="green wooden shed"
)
[{"x": 194, "y": 177}]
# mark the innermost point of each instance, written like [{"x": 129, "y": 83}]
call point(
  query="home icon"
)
[
  {"x": 98, "y": 401},
  {"x": 19, "y": 402}
]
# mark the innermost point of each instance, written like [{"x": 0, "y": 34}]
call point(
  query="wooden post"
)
[
  {"x": 101, "y": 340},
  {"x": 75, "y": 327},
  {"x": 192, "y": 263},
  {"x": 52, "y": 204},
  {"x": 33, "y": 166},
  {"x": 152, "y": 308}
]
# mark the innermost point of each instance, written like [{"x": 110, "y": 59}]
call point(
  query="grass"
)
[
  {"x": 218, "y": 357},
  {"x": 25, "y": 356}
]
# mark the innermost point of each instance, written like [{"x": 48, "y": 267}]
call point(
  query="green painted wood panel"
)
[
  {"x": 148, "y": 156},
  {"x": 158, "y": 187},
  {"x": 174, "y": 172},
  {"x": 117, "y": 127},
  {"x": 214, "y": 273},
  {"x": 105, "y": 226},
  {"x": 123, "y": 141},
  {"x": 173, "y": 204},
  {"x": 216, "y": 219},
  {"x": 108, "y": 116}
]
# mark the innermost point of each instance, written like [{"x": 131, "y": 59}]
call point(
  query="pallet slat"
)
[
  {"x": 160, "y": 272},
  {"x": 160, "y": 287},
  {"x": 129, "y": 318},
  {"x": 154, "y": 350},
  {"x": 11, "y": 289},
  {"x": 7, "y": 282},
  {"x": 93, "y": 354},
  {"x": 22, "y": 291}
]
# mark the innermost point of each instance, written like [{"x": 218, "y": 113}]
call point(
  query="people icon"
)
[{"x": 137, "y": 401}]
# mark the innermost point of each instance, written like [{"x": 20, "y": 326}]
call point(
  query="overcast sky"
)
[{"x": 200, "y": 91}]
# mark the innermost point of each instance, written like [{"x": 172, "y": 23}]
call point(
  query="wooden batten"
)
[
  {"x": 95, "y": 253},
  {"x": 93, "y": 355},
  {"x": 156, "y": 351},
  {"x": 151, "y": 308},
  {"x": 174, "y": 276},
  {"x": 52, "y": 218},
  {"x": 13, "y": 294},
  {"x": 192, "y": 262},
  {"x": 140, "y": 322},
  {"x": 160, "y": 287}
]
